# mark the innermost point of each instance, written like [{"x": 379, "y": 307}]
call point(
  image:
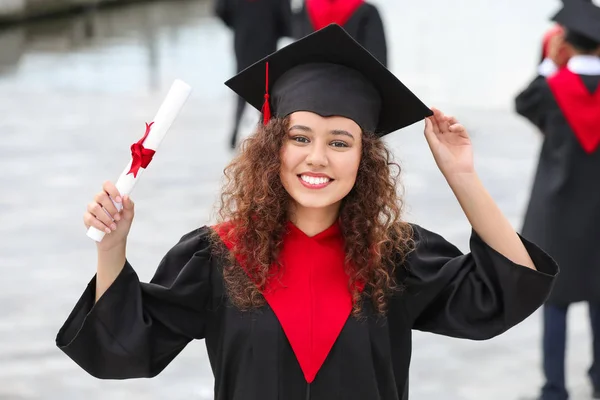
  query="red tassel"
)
[
  {"x": 266, "y": 110},
  {"x": 266, "y": 106}
]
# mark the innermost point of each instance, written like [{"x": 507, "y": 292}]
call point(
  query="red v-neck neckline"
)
[
  {"x": 332, "y": 231},
  {"x": 579, "y": 107},
  {"x": 310, "y": 298}
]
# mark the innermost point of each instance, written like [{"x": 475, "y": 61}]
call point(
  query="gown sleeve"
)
[
  {"x": 477, "y": 295},
  {"x": 136, "y": 329},
  {"x": 534, "y": 102}
]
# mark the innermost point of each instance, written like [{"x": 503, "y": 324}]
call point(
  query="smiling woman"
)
[
  {"x": 311, "y": 282},
  {"x": 312, "y": 175}
]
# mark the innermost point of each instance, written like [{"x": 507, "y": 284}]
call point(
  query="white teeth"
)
[{"x": 312, "y": 180}]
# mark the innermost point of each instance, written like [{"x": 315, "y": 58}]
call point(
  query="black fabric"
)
[
  {"x": 348, "y": 94},
  {"x": 580, "y": 42},
  {"x": 257, "y": 26},
  {"x": 581, "y": 17},
  {"x": 136, "y": 329},
  {"x": 332, "y": 45},
  {"x": 365, "y": 26},
  {"x": 564, "y": 208}
]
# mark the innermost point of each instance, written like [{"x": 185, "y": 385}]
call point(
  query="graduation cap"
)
[
  {"x": 330, "y": 74},
  {"x": 582, "y": 20}
]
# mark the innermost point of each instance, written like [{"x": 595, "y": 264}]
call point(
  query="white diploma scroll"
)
[{"x": 168, "y": 111}]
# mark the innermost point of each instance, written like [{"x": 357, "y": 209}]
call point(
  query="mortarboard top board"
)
[
  {"x": 582, "y": 17},
  {"x": 329, "y": 73}
]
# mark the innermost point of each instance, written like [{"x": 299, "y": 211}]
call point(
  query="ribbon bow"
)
[{"x": 141, "y": 156}]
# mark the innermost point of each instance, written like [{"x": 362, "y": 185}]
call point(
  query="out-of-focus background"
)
[{"x": 75, "y": 91}]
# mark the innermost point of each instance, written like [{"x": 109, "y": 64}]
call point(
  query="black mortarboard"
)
[
  {"x": 329, "y": 73},
  {"x": 580, "y": 17}
]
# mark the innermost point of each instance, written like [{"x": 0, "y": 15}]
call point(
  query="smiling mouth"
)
[{"x": 314, "y": 182}]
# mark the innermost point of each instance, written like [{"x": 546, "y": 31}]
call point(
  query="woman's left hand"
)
[{"x": 450, "y": 144}]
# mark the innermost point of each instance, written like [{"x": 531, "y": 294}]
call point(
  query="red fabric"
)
[
  {"x": 141, "y": 156},
  {"x": 310, "y": 298},
  {"x": 325, "y": 12},
  {"x": 266, "y": 106},
  {"x": 580, "y": 108}
]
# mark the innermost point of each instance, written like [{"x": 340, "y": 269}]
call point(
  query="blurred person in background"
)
[
  {"x": 309, "y": 284},
  {"x": 556, "y": 29},
  {"x": 359, "y": 18},
  {"x": 563, "y": 215},
  {"x": 257, "y": 27}
]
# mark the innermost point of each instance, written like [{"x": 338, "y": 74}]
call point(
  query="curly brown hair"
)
[{"x": 254, "y": 204}]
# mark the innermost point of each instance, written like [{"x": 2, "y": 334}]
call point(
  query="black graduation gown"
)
[
  {"x": 563, "y": 213},
  {"x": 257, "y": 26},
  {"x": 365, "y": 26},
  {"x": 136, "y": 329}
]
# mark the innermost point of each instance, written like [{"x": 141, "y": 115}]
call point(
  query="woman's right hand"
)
[{"x": 103, "y": 215}]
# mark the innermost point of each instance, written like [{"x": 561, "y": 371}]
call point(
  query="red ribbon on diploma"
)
[{"x": 141, "y": 156}]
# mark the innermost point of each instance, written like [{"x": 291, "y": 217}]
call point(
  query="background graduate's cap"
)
[
  {"x": 330, "y": 74},
  {"x": 580, "y": 17}
]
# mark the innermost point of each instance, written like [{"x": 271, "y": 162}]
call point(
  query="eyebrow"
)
[
  {"x": 333, "y": 132},
  {"x": 342, "y": 132}
]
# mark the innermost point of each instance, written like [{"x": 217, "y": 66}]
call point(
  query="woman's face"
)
[{"x": 319, "y": 159}]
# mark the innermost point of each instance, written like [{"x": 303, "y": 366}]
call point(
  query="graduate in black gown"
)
[
  {"x": 563, "y": 214},
  {"x": 257, "y": 27},
  {"x": 359, "y": 18},
  {"x": 311, "y": 283},
  {"x": 552, "y": 32}
]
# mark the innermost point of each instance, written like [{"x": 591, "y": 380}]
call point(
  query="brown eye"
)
[
  {"x": 300, "y": 139},
  {"x": 339, "y": 143}
]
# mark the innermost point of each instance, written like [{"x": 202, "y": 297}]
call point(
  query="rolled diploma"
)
[{"x": 168, "y": 111}]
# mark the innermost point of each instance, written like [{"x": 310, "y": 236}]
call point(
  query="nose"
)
[{"x": 317, "y": 155}]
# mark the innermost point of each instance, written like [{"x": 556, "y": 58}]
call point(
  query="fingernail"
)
[
  {"x": 117, "y": 217},
  {"x": 113, "y": 226},
  {"x": 107, "y": 230},
  {"x": 118, "y": 199}
]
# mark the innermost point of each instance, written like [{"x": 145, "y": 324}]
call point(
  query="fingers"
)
[
  {"x": 430, "y": 135},
  {"x": 115, "y": 197},
  {"x": 89, "y": 220},
  {"x": 445, "y": 123},
  {"x": 98, "y": 217},
  {"x": 102, "y": 212},
  {"x": 103, "y": 199},
  {"x": 442, "y": 121},
  {"x": 451, "y": 120},
  {"x": 127, "y": 203},
  {"x": 127, "y": 208},
  {"x": 457, "y": 128},
  {"x": 434, "y": 120},
  {"x": 112, "y": 191},
  {"x": 428, "y": 126}
]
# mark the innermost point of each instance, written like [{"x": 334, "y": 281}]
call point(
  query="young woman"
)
[{"x": 310, "y": 285}]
